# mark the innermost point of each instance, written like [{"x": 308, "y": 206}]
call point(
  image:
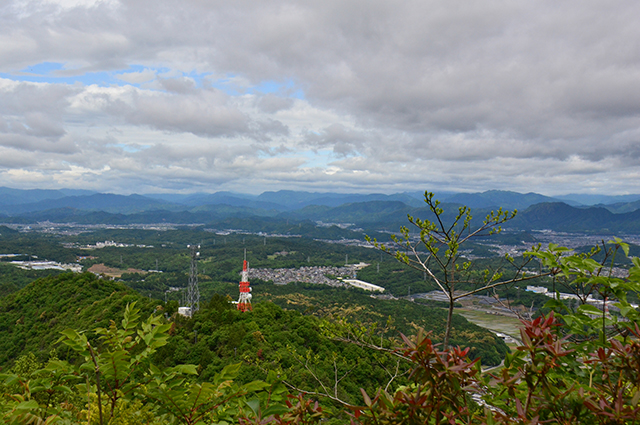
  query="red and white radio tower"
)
[{"x": 244, "y": 302}]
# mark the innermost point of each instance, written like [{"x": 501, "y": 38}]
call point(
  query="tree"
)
[
  {"x": 573, "y": 366},
  {"x": 115, "y": 379},
  {"x": 444, "y": 268}
]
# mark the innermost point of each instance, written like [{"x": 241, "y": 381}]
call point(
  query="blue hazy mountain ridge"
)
[
  {"x": 621, "y": 207},
  {"x": 285, "y": 200},
  {"x": 398, "y": 197},
  {"x": 562, "y": 217},
  {"x": 9, "y": 196},
  {"x": 585, "y": 199},
  {"x": 241, "y": 210},
  {"x": 501, "y": 198},
  {"x": 291, "y": 198},
  {"x": 78, "y": 216},
  {"x": 201, "y": 198},
  {"x": 174, "y": 198},
  {"x": 225, "y": 198},
  {"x": 359, "y": 213},
  {"x": 96, "y": 202},
  {"x": 556, "y": 216},
  {"x": 370, "y": 211},
  {"x": 294, "y": 200},
  {"x": 374, "y": 215}
]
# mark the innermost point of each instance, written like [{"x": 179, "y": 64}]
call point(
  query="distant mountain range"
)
[
  {"x": 10, "y": 196},
  {"x": 500, "y": 198},
  {"x": 372, "y": 211},
  {"x": 106, "y": 202}
]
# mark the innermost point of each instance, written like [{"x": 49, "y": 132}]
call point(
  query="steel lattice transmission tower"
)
[
  {"x": 192, "y": 300},
  {"x": 244, "y": 302}
]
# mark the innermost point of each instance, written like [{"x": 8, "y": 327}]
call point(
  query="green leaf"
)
[
  {"x": 589, "y": 309},
  {"x": 27, "y": 405},
  {"x": 230, "y": 372},
  {"x": 254, "y": 405},
  {"x": 617, "y": 241},
  {"x": 277, "y": 409},
  {"x": 9, "y": 379},
  {"x": 255, "y": 386},
  {"x": 63, "y": 388},
  {"x": 554, "y": 304},
  {"x": 186, "y": 369}
]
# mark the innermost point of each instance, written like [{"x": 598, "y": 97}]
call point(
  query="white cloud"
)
[{"x": 538, "y": 96}]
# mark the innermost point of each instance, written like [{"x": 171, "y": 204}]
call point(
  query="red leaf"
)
[
  {"x": 367, "y": 400},
  {"x": 520, "y": 409}
]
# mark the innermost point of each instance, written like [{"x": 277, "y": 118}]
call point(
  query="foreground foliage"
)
[
  {"x": 546, "y": 380},
  {"x": 575, "y": 365},
  {"x": 437, "y": 251},
  {"x": 31, "y": 319},
  {"x": 119, "y": 380},
  {"x": 578, "y": 363}
]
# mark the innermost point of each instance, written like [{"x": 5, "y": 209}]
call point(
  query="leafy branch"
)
[{"x": 437, "y": 253}]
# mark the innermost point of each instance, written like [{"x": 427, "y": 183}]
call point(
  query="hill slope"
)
[{"x": 32, "y": 318}]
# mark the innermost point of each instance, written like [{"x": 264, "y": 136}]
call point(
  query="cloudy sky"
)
[{"x": 335, "y": 95}]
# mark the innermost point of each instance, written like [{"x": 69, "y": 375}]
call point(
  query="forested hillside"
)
[
  {"x": 31, "y": 319},
  {"x": 351, "y": 305}
]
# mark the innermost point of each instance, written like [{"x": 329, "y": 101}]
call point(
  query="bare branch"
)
[
  {"x": 308, "y": 368},
  {"x": 314, "y": 393},
  {"x": 372, "y": 347},
  {"x": 396, "y": 374},
  {"x": 503, "y": 282},
  {"x": 336, "y": 380}
]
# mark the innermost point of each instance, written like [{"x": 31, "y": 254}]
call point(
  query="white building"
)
[{"x": 363, "y": 285}]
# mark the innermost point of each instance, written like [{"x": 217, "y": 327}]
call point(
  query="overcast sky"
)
[{"x": 333, "y": 95}]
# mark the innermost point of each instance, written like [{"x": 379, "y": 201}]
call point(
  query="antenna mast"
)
[
  {"x": 244, "y": 302},
  {"x": 193, "y": 293}
]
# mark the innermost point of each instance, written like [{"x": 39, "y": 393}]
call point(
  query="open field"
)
[
  {"x": 113, "y": 272},
  {"x": 494, "y": 322}
]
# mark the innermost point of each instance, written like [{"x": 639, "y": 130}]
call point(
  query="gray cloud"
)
[
  {"x": 34, "y": 144},
  {"x": 178, "y": 85},
  {"x": 342, "y": 140},
  {"x": 207, "y": 117},
  {"x": 480, "y": 94},
  {"x": 272, "y": 103}
]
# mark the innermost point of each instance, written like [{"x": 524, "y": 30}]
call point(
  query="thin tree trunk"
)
[{"x": 447, "y": 332}]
